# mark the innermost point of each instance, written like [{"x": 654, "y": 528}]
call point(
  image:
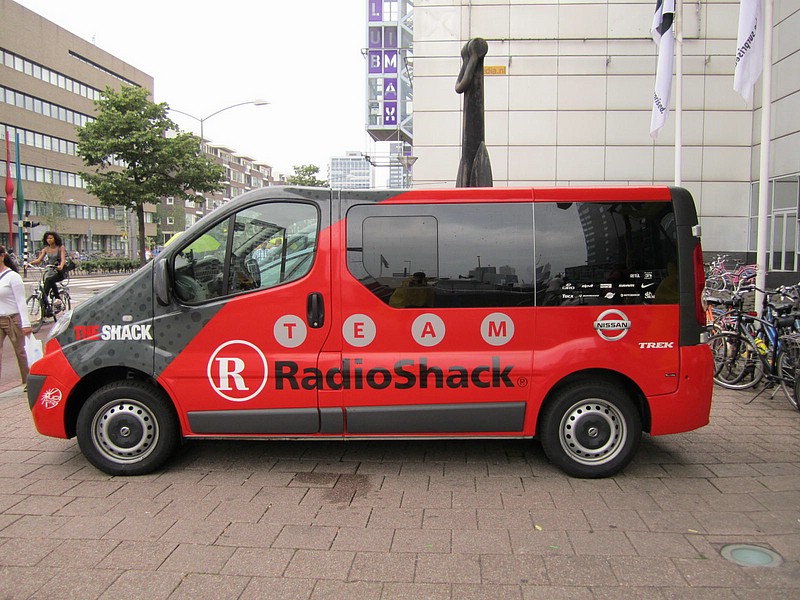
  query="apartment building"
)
[{"x": 242, "y": 174}]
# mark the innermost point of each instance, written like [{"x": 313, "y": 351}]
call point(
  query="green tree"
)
[
  {"x": 306, "y": 175},
  {"x": 134, "y": 132}
]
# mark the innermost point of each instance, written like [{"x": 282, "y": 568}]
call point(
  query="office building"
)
[
  {"x": 49, "y": 81},
  {"x": 352, "y": 171}
]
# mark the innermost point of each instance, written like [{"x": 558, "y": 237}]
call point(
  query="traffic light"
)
[{"x": 30, "y": 223}]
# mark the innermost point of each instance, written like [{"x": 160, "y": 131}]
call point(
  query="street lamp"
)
[{"x": 202, "y": 120}]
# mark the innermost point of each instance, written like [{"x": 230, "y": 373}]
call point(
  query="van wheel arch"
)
[
  {"x": 94, "y": 381},
  {"x": 601, "y": 375}
]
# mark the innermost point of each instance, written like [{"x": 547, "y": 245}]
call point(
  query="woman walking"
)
[
  {"x": 54, "y": 256},
  {"x": 14, "y": 323}
]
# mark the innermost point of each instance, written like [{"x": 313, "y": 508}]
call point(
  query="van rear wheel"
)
[
  {"x": 127, "y": 428},
  {"x": 590, "y": 429}
]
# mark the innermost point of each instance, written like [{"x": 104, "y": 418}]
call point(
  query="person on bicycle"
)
[{"x": 54, "y": 256}]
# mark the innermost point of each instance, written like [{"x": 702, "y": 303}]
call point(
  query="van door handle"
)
[{"x": 315, "y": 310}]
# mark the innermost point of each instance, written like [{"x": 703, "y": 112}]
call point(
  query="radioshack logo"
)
[
  {"x": 237, "y": 371},
  {"x": 612, "y": 325}
]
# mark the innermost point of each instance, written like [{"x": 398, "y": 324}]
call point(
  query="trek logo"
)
[
  {"x": 610, "y": 328},
  {"x": 655, "y": 345}
]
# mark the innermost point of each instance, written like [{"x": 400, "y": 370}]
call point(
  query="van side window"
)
[
  {"x": 257, "y": 248},
  {"x": 597, "y": 253},
  {"x": 443, "y": 255}
]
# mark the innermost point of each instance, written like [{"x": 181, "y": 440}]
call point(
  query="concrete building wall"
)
[{"x": 573, "y": 107}]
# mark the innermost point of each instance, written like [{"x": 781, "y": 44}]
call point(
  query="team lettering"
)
[{"x": 405, "y": 374}]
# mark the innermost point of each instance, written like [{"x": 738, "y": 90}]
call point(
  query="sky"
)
[{"x": 303, "y": 57}]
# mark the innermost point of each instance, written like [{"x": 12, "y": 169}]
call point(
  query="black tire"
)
[
  {"x": 787, "y": 372},
  {"x": 128, "y": 428},
  {"x": 590, "y": 429},
  {"x": 35, "y": 313},
  {"x": 737, "y": 364}
]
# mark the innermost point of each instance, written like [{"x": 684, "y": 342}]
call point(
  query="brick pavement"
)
[{"x": 380, "y": 520}]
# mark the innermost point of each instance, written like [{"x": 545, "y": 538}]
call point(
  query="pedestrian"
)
[
  {"x": 14, "y": 322},
  {"x": 54, "y": 256}
]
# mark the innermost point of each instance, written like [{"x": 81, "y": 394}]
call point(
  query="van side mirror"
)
[{"x": 161, "y": 282}]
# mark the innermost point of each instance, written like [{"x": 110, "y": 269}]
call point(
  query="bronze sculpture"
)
[{"x": 474, "y": 169}]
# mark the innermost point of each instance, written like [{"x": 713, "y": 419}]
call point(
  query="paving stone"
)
[
  {"x": 22, "y": 552},
  {"x": 396, "y": 518},
  {"x": 200, "y": 585},
  {"x": 383, "y": 566},
  {"x": 81, "y": 554},
  {"x": 430, "y": 540},
  {"x": 371, "y": 539},
  {"x": 258, "y": 562},
  {"x": 257, "y": 535},
  {"x": 19, "y": 582},
  {"x": 197, "y": 558},
  {"x": 306, "y": 537},
  {"x": 645, "y": 571},
  {"x": 77, "y": 584},
  {"x": 320, "y": 564},
  {"x": 326, "y": 589},
  {"x": 415, "y": 591},
  {"x": 518, "y": 570},
  {"x": 448, "y": 568},
  {"x": 138, "y": 556},
  {"x": 143, "y": 585},
  {"x": 260, "y": 588}
]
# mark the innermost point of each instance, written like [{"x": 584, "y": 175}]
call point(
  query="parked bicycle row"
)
[
  {"x": 749, "y": 349},
  {"x": 722, "y": 277}
]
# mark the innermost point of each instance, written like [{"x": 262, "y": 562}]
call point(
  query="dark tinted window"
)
[
  {"x": 606, "y": 253},
  {"x": 447, "y": 255}
]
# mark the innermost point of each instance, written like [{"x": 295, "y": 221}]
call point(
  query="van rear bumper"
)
[{"x": 689, "y": 407}]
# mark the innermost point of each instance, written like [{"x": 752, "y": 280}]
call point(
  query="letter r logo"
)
[
  {"x": 230, "y": 370},
  {"x": 237, "y": 370}
]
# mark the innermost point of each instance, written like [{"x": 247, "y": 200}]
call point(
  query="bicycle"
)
[
  {"x": 748, "y": 349},
  {"x": 720, "y": 278},
  {"x": 38, "y": 310}
]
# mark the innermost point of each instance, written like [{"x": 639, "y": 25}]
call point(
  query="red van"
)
[{"x": 571, "y": 315}]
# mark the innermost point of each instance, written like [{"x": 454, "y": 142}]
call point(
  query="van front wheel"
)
[
  {"x": 590, "y": 429},
  {"x": 127, "y": 428}
]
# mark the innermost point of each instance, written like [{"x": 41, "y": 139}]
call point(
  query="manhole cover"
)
[{"x": 748, "y": 555}]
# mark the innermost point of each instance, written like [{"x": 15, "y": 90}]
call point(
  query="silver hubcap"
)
[
  {"x": 125, "y": 431},
  {"x": 592, "y": 432}
]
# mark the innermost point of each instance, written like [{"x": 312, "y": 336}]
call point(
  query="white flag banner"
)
[
  {"x": 749, "y": 48},
  {"x": 663, "y": 35}
]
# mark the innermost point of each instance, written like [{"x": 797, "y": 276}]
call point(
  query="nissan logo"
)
[{"x": 612, "y": 325}]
